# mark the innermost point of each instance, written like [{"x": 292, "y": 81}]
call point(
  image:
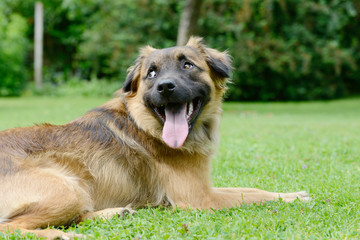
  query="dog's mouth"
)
[
  {"x": 178, "y": 119},
  {"x": 192, "y": 110}
]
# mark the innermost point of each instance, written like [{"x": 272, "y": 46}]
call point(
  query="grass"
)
[{"x": 273, "y": 146}]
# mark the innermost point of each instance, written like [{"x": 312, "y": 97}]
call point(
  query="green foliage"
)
[
  {"x": 282, "y": 50},
  {"x": 288, "y": 50},
  {"x": 13, "y": 51},
  {"x": 116, "y": 29},
  {"x": 275, "y": 146},
  {"x": 76, "y": 87}
]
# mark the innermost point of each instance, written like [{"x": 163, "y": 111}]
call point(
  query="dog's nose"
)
[{"x": 166, "y": 87}]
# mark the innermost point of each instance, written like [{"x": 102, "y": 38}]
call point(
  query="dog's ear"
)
[
  {"x": 132, "y": 80},
  {"x": 218, "y": 62},
  {"x": 133, "y": 74}
]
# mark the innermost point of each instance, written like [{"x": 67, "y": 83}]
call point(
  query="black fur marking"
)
[
  {"x": 99, "y": 131},
  {"x": 111, "y": 116},
  {"x": 96, "y": 131},
  {"x": 182, "y": 57}
]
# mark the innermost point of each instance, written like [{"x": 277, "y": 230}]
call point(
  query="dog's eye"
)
[
  {"x": 151, "y": 73},
  {"x": 188, "y": 65}
]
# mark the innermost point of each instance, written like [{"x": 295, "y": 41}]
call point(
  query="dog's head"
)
[{"x": 175, "y": 93}]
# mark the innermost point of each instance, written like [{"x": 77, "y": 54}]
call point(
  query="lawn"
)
[{"x": 273, "y": 146}]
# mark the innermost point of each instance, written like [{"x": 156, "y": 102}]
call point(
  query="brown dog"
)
[{"x": 151, "y": 146}]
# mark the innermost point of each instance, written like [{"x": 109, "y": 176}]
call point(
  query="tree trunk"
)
[
  {"x": 38, "y": 42},
  {"x": 189, "y": 20}
]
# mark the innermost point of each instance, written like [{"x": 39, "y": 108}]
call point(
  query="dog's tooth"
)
[{"x": 191, "y": 109}]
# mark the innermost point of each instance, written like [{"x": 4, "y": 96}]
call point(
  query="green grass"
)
[{"x": 273, "y": 146}]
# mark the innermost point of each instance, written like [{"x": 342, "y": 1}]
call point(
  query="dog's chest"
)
[{"x": 118, "y": 186}]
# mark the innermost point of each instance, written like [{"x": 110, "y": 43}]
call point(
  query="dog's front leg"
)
[
  {"x": 232, "y": 197},
  {"x": 108, "y": 213}
]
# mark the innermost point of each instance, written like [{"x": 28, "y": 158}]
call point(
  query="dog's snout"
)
[{"x": 166, "y": 87}]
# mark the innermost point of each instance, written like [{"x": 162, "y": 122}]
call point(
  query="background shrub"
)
[
  {"x": 13, "y": 51},
  {"x": 282, "y": 50}
]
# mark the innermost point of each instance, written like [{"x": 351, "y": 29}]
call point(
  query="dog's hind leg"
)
[{"x": 39, "y": 198}]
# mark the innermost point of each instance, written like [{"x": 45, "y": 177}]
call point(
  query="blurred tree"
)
[
  {"x": 189, "y": 21},
  {"x": 38, "y": 44}
]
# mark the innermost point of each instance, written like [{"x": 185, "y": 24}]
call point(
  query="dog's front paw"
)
[
  {"x": 57, "y": 234},
  {"x": 119, "y": 212},
  {"x": 290, "y": 197}
]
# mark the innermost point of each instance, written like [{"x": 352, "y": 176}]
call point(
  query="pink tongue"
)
[{"x": 176, "y": 126}]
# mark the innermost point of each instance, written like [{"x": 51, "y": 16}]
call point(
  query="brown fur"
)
[{"x": 114, "y": 157}]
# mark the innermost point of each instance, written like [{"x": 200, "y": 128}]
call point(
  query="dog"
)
[{"x": 149, "y": 146}]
